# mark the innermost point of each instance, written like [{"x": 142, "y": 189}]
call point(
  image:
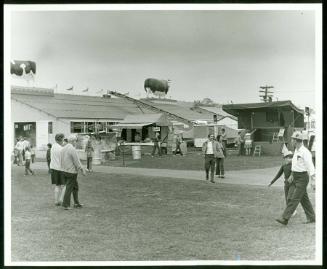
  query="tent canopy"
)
[{"x": 137, "y": 121}]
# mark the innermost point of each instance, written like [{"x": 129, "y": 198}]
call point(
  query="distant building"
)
[
  {"x": 271, "y": 124},
  {"x": 39, "y": 113}
]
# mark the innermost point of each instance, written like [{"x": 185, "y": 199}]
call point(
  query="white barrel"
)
[{"x": 136, "y": 152}]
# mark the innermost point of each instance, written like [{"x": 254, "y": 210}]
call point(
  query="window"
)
[
  {"x": 90, "y": 127},
  {"x": 76, "y": 127},
  {"x": 50, "y": 127}
]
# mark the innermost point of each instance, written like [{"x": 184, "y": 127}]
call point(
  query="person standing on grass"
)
[
  {"x": 156, "y": 144},
  {"x": 240, "y": 143},
  {"x": 71, "y": 164},
  {"x": 285, "y": 169},
  {"x": 32, "y": 153},
  {"x": 178, "y": 145},
  {"x": 26, "y": 144},
  {"x": 28, "y": 161},
  {"x": 48, "y": 156},
  {"x": 210, "y": 151},
  {"x": 220, "y": 171},
  {"x": 89, "y": 155},
  {"x": 20, "y": 148},
  {"x": 302, "y": 169},
  {"x": 224, "y": 140},
  {"x": 55, "y": 168}
]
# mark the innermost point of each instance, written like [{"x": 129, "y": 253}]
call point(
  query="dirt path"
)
[{"x": 260, "y": 177}]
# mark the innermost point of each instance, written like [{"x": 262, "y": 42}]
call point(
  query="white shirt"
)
[
  {"x": 26, "y": 144},
  {"x": 209, "y": 147},
  {"x": 20, "y": 145},
  {"x": 302, "y": 161},
  {"x": 27, "y": 155},
  {"x": 55, "y": 154}
]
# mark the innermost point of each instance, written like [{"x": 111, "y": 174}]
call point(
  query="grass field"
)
[
  {"x": 195, "y": 161},
  {"x": 145, "y": 218}
]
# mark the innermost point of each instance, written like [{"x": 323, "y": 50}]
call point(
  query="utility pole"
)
[{"x": 267, "y": 95}]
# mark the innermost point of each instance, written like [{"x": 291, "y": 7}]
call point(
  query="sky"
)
[{"x": 219, "y": 54}]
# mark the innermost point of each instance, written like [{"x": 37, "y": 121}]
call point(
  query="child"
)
[
  {"x": 32, "y": 153},
  {"x": 89, "y": 154},
  {"x": 286, "y": 169},
  {"x": 49, "y": 157},
  {"x": 248, "y": 144},
  {"x": 28, "y": 161}
]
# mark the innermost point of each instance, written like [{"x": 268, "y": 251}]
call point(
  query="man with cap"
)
[
  {"x": 302, "y": 169},
  {"x": 71, "y": 164},
  {"x": 285, "y": 169}
]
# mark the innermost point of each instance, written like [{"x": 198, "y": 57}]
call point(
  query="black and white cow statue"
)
[{"x": 22, "y": 68}]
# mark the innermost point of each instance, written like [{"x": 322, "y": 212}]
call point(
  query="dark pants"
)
[
  {"x": 286, "y": 189},
  {"x": 23, "y": 153},
  {"x": 33, "y": 158},
  {"x": 297, "y": 193},
  {"x": 49, "y": 170},
  {"x": 27, "y": 167},
  {"x": 209, "y": 165},
  {"x": 220, "y": 166},
  {"x": 71, "y": 187},
  {"x": 89, "y": 163},
  {"x": 178, "y": 149},
  {"x": 156, "y": 146}
]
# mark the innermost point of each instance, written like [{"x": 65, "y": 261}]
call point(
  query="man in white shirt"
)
[
  {"x": 302, "y": 169},
  {"x": 56, "y": 170},
  {"x": 26, "y": 144}
]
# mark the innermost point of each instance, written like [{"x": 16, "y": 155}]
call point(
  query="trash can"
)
[{"x": 136, "y": 152}]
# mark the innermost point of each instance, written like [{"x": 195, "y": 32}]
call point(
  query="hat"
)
[
  {"x": 287, "y": 153},
  {"x": 297, "y": 135}
]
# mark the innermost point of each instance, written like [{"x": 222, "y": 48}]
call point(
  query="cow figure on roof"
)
[{"x": 157, "y": 87}]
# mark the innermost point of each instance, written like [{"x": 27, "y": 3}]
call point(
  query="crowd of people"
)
[
  {"x": 63, "y": 166},
  {"x": 24, "y": 154}
]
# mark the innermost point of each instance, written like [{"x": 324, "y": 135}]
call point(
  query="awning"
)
[{"x": 132, "y": 125}]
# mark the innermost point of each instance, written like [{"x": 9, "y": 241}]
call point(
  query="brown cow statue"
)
[{"x": 156, "y": 86}]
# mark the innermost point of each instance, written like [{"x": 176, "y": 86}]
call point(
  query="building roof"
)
[
  {"x": 139, "y": 120},
  {"x": 234, "y": 109},
  {"x": 183, "y": 111},
  {"x": 76, "y": 106},
  {"x": 218, "y": 111}
]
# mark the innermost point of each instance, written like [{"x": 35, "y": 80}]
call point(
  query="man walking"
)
[
  {"x": 210, "y": 151},
  {"x": 70, "y": 164},
  {"x": 302, "y": 168},
  {"x": 20, "y": 149}
]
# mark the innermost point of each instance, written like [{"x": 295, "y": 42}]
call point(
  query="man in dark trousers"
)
[
  {"x": 210, "y": 151},
  {"x": 156, "y": 141},
  {"x": 302, "y": 169},
  {"x": 71, "y": 164}
]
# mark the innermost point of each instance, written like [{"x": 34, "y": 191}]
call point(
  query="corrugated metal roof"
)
[{"x": 72, "y": 106}]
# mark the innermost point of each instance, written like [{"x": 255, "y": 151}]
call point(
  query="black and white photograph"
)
[{"x": 162, "y": 134}]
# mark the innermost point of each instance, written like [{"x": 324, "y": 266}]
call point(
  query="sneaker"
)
[
  {"x": 222, "y": 176},
  {"x": 78, "y": 205},
  {"x": 58, "y": 204},
  {"x": 66, "y": 208}
]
